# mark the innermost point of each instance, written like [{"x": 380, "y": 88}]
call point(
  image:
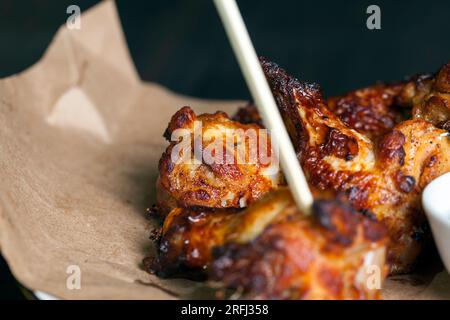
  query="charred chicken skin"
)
[
  {"x": 271, "y": 250},
  {"x": 358, "y": 145},
  {"x": 385, "y": 177},
  {"x": 372, "y": 111},
  {"x": 429, "y": 97},
  {"x": 232, "y": 178},
  {"x": 375, "y": 110}
]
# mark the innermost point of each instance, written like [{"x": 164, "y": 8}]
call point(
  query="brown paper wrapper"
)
[{"x": 81, "y": 136}]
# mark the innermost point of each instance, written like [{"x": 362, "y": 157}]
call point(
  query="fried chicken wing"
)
[
  {"x": 189, "y": 234},
  {"x": 248, "y": 114},
  {"x": 384, "y": 177},
  {"x": 376, "y": 109},
  {"x": 241, "y": 166},
  {"x": 371, "y": 111},
  {"x": 235, "y": 224},
  {"x": 271, "y": 250},
  {"x": 429, "y": 97}
]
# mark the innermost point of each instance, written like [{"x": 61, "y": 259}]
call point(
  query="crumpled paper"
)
[{"x": 81, "y": 136}]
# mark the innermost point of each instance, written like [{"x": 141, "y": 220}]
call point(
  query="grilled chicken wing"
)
[
  {"x": 371, "y": 111},
  {"x": 248, "y": 114},
  {"x": 384, "y": 177},
  {"x": 429, "y": 96},
  {"x": 271, "y": 250},
  {"x": 375, "y": 110},
  {"x": 222, "y": 164},
  {"x": 358, "y": 144}
]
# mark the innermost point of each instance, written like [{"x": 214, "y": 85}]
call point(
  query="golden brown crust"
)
[
  {"x": 271, "y": 250},
  {"x": 187, "y": 238},
  {"x": 430, "y": 97},
  {"x": 248, "y": 114},
  {"x": 357, "y": 147},
  {"x": 385, "y": 177},
  {"x": 189, "y": 234},
  {"x": 376, "y": 109},
  {"x": 216, "y": 184},
  {"x": 372, "y": 110},
  {"x": 300, "y": 259}
]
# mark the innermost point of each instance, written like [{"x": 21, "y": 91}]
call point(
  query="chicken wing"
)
[
  {"x": 429, "y": 97},
  {"x": 376, "y": 109},
  {"x": 235, "y": 223},
  {"x": 241, "y": 167},
  {"x": 384, "y": 177},
  {"x": 371, "y": 111},
  {"x": 271, "y": 250}
]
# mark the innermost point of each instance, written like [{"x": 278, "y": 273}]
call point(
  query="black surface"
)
[
  {"x": 182, "y": 45},
  {"x": 9, "y": 288},
  {"x": 225, "y": 309}
]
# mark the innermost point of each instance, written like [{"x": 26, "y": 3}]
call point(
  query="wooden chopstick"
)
[{"x": 259, "y": 88}]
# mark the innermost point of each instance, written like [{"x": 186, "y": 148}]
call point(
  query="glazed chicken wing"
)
[
  {"x": 240, "y": 167},
  {"x": 371, "y": 111},
  {"x": 384, "y": 177},
  {"x": 429, "y": 97},
  {"x": 376, "y": 109},
  {"x": 234, "y": 224},
  {"x": 271, "y": 250}
]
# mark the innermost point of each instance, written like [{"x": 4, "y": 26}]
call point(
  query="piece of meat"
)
[
  {"x": 215, "y": 162},
  {"x": 271, "y": 250},
  {"x": 429, "y": 97},
  {"x": 189, "y": 234},
  {"x": 376, "y": 109},
  {"x": 371, "y": 111},
  {"x": 248, "y": 114},
  {"x": 385, "y": 177}
]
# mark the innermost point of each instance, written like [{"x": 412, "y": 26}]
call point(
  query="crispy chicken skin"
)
[
  {"x": 248, "y": 114},
  {"x": 372, "y": 111},
  {"x": 384, "y": 177},
  {"x": 271, "y": 250},
  {"x": 189, "y": 234},
  {"x": 376, "y": 109},
  {"x": 215, "y": 184},
  {"x": 234, "y": 224},
  {"x": 429, "y": 97}
]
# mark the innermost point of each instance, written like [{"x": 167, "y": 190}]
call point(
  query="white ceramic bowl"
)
[
  {"x": 44, "y": 296},
  {"x": 436, "y": 203}
]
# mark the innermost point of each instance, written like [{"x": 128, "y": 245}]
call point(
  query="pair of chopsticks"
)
[{"x": 260, "y": 91}]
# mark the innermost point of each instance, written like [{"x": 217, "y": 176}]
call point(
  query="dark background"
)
[{"x": 182, "y": 45}]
